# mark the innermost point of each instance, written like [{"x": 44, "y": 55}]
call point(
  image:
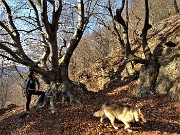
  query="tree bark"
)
[
  {"x": 73, "y": 43},
  {"x": 149, "y": 71},
  {"x": 176, "y": 6}
]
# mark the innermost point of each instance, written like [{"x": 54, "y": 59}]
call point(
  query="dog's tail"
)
[
  {"x": 100, "y": 113},
  {"x": 103, "y": 106}
]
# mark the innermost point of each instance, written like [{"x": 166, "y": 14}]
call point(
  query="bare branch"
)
[
  {"x": 12, "y": 44},
  {"x": 38, "y": 21},
  {"x": 114, "y": 25},
  {"x": 22, "y": 31},
  {"x": 5, "y": 48},
  {"x": 8, "y": 58},
  {"x": 45, "y": 17},
  {"x": 10, "y": 19},
  {"x": 145, "y": 29},
  {"x": 64, "y": 45},
  {"x": 118, "y": 17},
  {"x": 80, "y": 14},
  {"x": 176, "y": 6},
  {"x": 45, "y": 57},
  {"x": 26, "y": 19},
  {"x": 56, "y": 15},
  {"x": 7, "y": 30},
  {"x": 19, "y": 72},
  {"x": 71, "y": 5},
  {"x": 122, "y": 6},
  {"x": 89, "y": 12}
]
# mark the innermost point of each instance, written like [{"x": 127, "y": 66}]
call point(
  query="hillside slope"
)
[
  {"x": 162, "y": 114},
  {"x": 162, "y": 117}
]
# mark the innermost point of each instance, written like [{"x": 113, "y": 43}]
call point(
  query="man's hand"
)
[
  {"x": 25, "y": 93},
  {"x": 36, "y": 90}
]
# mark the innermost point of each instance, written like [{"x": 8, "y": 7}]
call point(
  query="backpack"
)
[{"x": 25, "y": 85}]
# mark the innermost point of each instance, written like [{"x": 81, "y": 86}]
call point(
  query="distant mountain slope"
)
[{"x": 12, "y": 71}]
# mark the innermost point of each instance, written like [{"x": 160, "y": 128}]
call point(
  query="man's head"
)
[{"x": 32, "y": 73}]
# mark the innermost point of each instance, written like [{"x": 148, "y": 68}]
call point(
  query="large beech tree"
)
[{"x": 46, "y": 18}]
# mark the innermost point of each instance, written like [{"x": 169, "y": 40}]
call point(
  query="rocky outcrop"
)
[
  {"x": 165, "y": 45},
  {"x": 168, "y": 81}
]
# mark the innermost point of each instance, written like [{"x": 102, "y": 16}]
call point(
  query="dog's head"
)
[{"x": 99, "y": 113}]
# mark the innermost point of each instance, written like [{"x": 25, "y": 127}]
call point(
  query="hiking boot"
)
[
  {"x": 41, "y": 105},
  {"x": 27, "y": 111},
  {"x": 53, "y": 111}
]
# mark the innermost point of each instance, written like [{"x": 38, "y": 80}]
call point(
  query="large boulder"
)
[{"x": 168, "y": 80}]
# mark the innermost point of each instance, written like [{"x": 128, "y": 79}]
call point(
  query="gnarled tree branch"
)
[{"x": 145, "y": 29}]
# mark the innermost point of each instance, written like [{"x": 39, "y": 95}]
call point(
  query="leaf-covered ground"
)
[{"x": 162, "y": 117}]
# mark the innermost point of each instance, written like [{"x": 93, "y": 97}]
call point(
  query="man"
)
[{"x": 32, "y": 83}]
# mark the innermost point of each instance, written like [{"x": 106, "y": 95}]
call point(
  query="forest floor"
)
[{"x": 161, "y": 113}]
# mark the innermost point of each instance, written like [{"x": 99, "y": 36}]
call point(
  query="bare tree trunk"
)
[
  {"x": 176, "y": 6},
  {"x": 63, "y": 68},
  {"x": 73, "y": 43},
  {"x": 149, "y": 71},
  {"x": 66, "y": 59},
  {"x": 145, "y": 29},
  {"x": 124, "y": 24}
]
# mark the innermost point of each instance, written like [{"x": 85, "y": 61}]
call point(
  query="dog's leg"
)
[
  {"x": 53, "y": 109},
  {"x": 136, "y": 117},
  {"x": 142, "y": 117},
  {"x": 127, "y": 126},
  {"x": 111, "y": 118},
  {"x": 102, "y": 118}
]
